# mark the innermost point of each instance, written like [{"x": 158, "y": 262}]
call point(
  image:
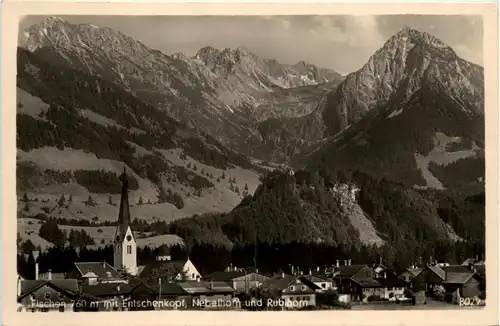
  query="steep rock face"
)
[{"x": 407, "y": 60}]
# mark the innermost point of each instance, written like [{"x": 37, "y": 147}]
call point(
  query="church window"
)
[
  {"x": 129, "y": 249},
  {"x": 117, "y": 238},
  {"x": 129, "y": 237}
]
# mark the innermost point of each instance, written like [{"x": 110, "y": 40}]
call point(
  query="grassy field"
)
[{"x": 28, "y": 228}]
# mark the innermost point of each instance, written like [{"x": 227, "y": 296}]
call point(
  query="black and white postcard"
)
[{"x": 250, "y": 164}]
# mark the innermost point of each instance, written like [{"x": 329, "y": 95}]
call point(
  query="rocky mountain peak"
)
[{"x": 403, "y": 64}]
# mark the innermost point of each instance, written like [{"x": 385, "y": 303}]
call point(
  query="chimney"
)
[
  {"x": 317, "y": 269},
  {"x": 103, "y": 264},
  {"x": 49, "y": 277},
  {"x": 292, "y": 270},
  {"x": 345, "y": 262},
  {"x": 338, "y": 263},
  {"x": 349, "y": 262},
  {"x": 282, "y": 275},
  {"x": 310, "y": 271},
  {"x": 36, "y": 271},
  {"x": 118, "y": 288},
  {"x": 256, "y": 270}
]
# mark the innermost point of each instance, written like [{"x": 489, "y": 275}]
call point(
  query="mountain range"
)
[{"x": 208, "y": 128}]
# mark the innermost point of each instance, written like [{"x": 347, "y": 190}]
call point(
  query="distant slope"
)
[{"x": 75, "y": 131}]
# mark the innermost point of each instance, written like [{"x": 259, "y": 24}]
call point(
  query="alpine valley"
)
[{"x": 229, "y": 149}]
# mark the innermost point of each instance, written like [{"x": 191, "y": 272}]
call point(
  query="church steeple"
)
[
  {"x": 125, "y": 247},
  {"x": 124, "y": 220}
]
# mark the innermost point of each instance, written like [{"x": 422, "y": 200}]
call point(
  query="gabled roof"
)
[
  {"x": 69, "y": 286},
  {"x": 414, "y": 271},
  {"x": 103, "y": 270},
  {"x": 54, "y": 276},
  {"x": 206, "y": 287},
  {"x": 456, "y": 269},
  {"x": 224, "y": 276},
  {"x": 314, "y": 278},
  {"x": 458, "y": 278},
  {"x": 167, "y": 288},
  {"x": 107, "y": 289},
  {"x": 280, "y": 282},
  {"x": 348, "y": 270},
  {"x": 438, "y": 271}
]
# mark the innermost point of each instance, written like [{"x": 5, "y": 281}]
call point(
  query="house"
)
[
  {"x": 366, "y": 289},
  {"x": 291, "y": 290},
  {"x": 47, "y": 295},
  {"x": 320, "y": 283},
  {"x": 240, "y": 280},
  {"x": 95, "y": 272},
  {"x": 467, "y": 284},
  {"x": 184, "y": 269},
  {"x": 343, "y": 277},
  {"x": 429, "y": 277},
  {"x": 210, "y": 295},
  {"x": 409, "y": 273},
  {"x": 168, "y": 296}
]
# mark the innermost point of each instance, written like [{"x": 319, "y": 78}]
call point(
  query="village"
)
[{"x": 126, "y": 286}]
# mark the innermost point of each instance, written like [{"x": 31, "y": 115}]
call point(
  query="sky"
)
[{"x": 343, "y": 43}]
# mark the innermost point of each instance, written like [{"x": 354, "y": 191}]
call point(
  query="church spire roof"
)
[{"x": 124, "y": 221}]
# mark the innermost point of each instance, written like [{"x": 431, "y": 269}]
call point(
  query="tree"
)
[
  {"x": 167, "y": 272},
  {"x": 218, "y": 179},
  {"x": 439, "y": 292},
  {"x": 61, "y": 201},
  {"x": 195, "y": 167},
  {"x": 25, "y": 197},
  {"x": 26, "y": 207},
  {"x": 110, "y": 200},
  {"x": 189, "y": 165},
  {"x": 246, "y": 187},
  {"x": 140, "y": 202},
  {"x": 90, "y": 201},
  {"x": 223, "y": 176},
  {"x": 50, "y": 231},
  {"x": 237, "y": 190},
  {"x": 27, "y": 246},
  {"x": 70, "y": 199}
]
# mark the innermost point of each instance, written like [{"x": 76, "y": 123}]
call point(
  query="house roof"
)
[
  {"x": 70, "y": 286},
  {"x": 390, "y": 281},
  {"x": 206, "y": 287},
  {"x": 103, "y": 270},
  {"x": 314, "y": 278},
  {"x": 414, "y": 271},
  {"x": 367, "y": 282},
  {"x": 167, "y": 288},
  {"x": 280, "y": 282},
  {"x": 438, "y": 271},
  {"x": 224, "y": 276},
  {"x": 348, "y": 270},
  {"x": 458, "y": 278},
  {"x": 456, "y": 269},
  {"x": 54, "y": 276},
  {"x": 107, "y": 289}
]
